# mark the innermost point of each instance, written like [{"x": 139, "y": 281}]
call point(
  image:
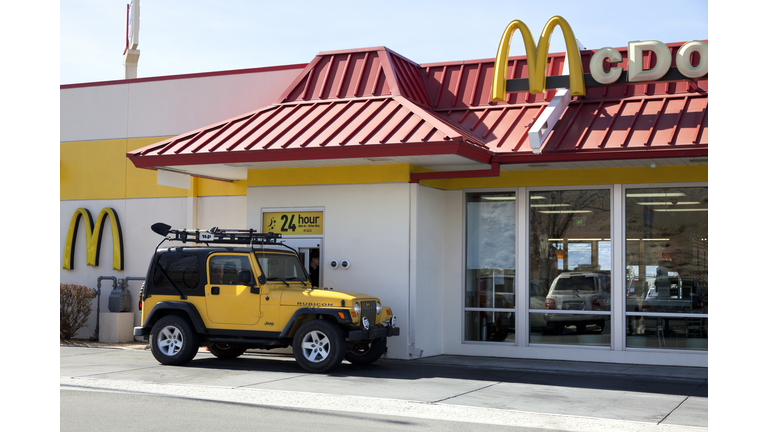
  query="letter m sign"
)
[{"x": 93, "y": 238}]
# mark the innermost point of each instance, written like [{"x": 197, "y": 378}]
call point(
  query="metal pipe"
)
[{"x": 98, "y": 303}]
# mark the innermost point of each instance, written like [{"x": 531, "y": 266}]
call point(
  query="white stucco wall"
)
[
  {"x": 165, "y": 107},
  {"x": 428, "y": 283},
  {"x": 366, "y": 224}
]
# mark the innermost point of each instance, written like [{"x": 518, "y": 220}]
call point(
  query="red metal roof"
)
[
  {"x": 376, "y": 103},
  {"x": 611, "y": 122}
]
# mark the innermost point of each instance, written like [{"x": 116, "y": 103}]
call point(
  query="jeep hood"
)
[{"x": 319, "y": 297}]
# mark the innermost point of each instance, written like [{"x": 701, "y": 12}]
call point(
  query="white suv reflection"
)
[{"x": 578, "y": 291}]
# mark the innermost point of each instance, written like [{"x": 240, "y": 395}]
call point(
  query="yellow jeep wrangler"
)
[{"x": 238, "y": 289}]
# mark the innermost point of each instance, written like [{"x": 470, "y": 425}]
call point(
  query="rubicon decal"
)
[{"x": 313, "y": 304}]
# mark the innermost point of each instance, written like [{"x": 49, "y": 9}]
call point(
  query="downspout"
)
[{"x": 492, "y": 172}]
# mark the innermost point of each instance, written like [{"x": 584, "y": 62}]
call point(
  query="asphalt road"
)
[{"x": 273, "y": 392}]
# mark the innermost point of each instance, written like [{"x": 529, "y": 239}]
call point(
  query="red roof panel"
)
[{"x": 367, "y": 98}]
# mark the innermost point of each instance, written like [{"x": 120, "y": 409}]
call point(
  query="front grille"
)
[{"x": 368, "y": 310}]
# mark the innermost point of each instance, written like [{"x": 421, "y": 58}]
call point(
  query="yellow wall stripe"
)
[
  {"x": 575, "y": 177},
  {"x": 100, "y": 170}
]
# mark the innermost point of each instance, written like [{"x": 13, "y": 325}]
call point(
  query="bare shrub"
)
[{"x": 75, "y": 308}]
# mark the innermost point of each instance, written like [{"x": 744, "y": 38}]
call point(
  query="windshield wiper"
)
[
  {"x": 280, "y": 279},
  {"x": 295, "y": 278}
]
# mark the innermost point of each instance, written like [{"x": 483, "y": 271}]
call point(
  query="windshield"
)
[
  {"x": 282, "y": 267},
  {"x": 576, "y": 283}
]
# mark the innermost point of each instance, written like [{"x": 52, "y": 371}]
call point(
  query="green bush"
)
[{"x": 75, "y": 308}]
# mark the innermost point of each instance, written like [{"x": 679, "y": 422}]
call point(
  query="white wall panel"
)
[
  {"x": 225, "y": 212},
  {"x": 366, "y": 224},
  {"x": 427, "y": 263},
  {"x": 165, "y": 107}
]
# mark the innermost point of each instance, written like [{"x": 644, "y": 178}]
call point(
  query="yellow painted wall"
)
[
  {"x": 396, "y": 173},
  {"x": 674, "y": 174},
  {"x": 101, "y": 170}
]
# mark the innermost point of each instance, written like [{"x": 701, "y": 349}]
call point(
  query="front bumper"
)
[{"x": 373, "y": 333}]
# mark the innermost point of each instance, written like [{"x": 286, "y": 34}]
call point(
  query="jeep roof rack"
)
[{"x": 216, "y": 235}]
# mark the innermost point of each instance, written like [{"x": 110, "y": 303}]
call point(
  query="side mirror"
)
[{"x": 244, "y": 277}]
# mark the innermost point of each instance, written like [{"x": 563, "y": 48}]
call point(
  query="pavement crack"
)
[
  {"x": 462, "y": 394},
  {"x": 670, "y": 413}
]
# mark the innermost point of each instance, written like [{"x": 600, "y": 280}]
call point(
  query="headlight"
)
[
  {"x": 378, "y": 308},
  {"x": 357, "y": 308}
]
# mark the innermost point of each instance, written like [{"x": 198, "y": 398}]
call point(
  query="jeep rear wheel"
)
[
  {"x": 319, "y": 346},
  {"x": 366, "y": 352},
  {"x": 226, "y": 351},
  {"x": 173, "y": 340}
]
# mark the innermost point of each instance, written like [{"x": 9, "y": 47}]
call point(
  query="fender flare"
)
[
  {"x": 186, "y": 308},
  {"x": 333, "y": 312}
]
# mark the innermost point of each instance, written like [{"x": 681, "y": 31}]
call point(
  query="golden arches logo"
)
[
  {"x": 93, "y": 238},
  {"x": 537, "y": 58}
]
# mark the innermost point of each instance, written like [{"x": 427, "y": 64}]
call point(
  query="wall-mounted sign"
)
[
  {"x": 536, "y": 56},
  {"x": 293, "y": 223},
  {"x": 93, "y": 238}
]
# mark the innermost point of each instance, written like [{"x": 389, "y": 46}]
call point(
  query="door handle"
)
[{"x": 214, "y": 290}]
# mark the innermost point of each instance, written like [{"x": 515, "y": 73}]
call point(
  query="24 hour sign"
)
[{"x": 294, "y": 223}]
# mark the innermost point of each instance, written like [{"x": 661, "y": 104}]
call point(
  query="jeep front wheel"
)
[
  {"x": 319, "y": 346},
  {"x": 366, "y": 352},
  {"x": 173, "y": 340},
  {"x": 226, "y": 351}
]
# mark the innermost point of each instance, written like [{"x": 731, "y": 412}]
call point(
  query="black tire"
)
[
  {"x": 173, "y": 340},
  {"x": 319, "y": 346},
  {"x": 226, "y": 351},
  {"x": 366, "y": 352}
]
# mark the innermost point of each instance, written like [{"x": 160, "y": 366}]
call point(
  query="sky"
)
[{"x": 191, "y": 36}]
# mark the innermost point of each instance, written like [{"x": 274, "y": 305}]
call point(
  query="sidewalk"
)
[
  {"x": 545, "y": 395},
  {"x": 570, "y": 367},
  {"x": 511, "y": 364}
]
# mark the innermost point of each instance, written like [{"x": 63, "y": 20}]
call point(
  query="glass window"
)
[
  {"x": 181, "y": 269},
  {"x": 224, "y": 269},
  {"x": 281, "y": 267},
  {"x": 570, "y": 266},
  {"x": 667, "y": 262},
  {"x": 490, "y": 267},
  {"x": 489, "y": 326}
]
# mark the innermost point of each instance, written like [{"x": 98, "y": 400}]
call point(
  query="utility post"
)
[{"x": 131, "y": 52}]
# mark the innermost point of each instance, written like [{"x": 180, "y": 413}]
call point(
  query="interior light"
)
[
  {"x": 498, "y": 198},
  {"x": 565, "y": 211},
  {"x": 550, "y": 205},
  {"x": 680, "y": 210},
  {"x": 560, "y": 254},
  {"x": 655, "y": 195},
  {"x": 669, "y": 203}
]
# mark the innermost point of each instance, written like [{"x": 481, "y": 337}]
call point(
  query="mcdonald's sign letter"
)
[
  {"x": 93, "y": 238},
  {"x": 537, "y": 58}
]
